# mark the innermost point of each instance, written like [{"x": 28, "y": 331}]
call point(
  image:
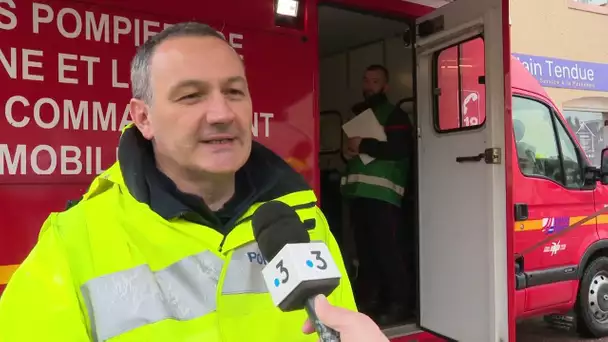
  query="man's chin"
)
[
  {"x": 219, "y": 169},
  {"x": 221, "y": 165},
  {"x": 221, "y": 161}
]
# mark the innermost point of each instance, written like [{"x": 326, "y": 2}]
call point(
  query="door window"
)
[
  {"x": 460, "y": 91},
  {"x": 544, "y": 148}
]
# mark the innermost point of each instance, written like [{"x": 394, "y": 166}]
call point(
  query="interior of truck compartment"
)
[{"x": 349, "y": 42}]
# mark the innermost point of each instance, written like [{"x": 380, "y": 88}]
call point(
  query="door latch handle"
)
[
  {"x": 490, "y": 156},
  {"x": 476, "y": 158},
  {"x": 521, "y": 212}
]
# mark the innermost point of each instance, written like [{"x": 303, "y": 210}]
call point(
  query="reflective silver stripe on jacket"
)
[
  {"x": 129, "y": 299},
  {"x": 373, "y": 180},
  {"x": 244, "y": 274}
]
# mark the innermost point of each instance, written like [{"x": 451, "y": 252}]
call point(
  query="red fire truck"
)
[{"x": 490, "y": 201}]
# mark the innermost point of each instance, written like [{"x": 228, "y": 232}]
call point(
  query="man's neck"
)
[
  {"x": 376, "y": 99},
  {"x": 215, "y": 190}
]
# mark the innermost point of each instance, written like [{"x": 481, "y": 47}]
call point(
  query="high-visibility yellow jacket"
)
[{"x": 112, "y": 269}]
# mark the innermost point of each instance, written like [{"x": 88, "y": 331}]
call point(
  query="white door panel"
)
[{"x": 463, "y": 293}]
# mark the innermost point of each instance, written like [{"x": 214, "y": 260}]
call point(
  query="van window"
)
[
  {"x": 588, "y": 128},
  {"x": 536, "y": 139},
  {"x": 459, "y": 83},
  {"x": 571, "y": 160}
]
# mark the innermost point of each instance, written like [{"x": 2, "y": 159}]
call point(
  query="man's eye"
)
[
  {"x": 235, "y": 92},
  {"x": 190, "y": 96}
]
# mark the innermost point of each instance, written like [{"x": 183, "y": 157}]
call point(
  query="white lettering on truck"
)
[
  {"x": 4, "y": 13},
  {"x": 78, "y": 74},
  {"x": 255, "y": 126},
  {"x": 102, "y": 27},
  {"x": 44, "y": 160},
  {"x": 102, "y": 118}
]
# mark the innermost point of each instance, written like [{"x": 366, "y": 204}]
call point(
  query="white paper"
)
[{"x": 365, "y": 125}]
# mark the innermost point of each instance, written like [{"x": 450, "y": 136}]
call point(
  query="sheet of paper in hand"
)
[{"x": 365, "y": 125}]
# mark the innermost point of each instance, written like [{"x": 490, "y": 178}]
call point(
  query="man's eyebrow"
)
[
  {"x": 188, "y": 83},
  {"x": 235, "y": 79},
  {"x": 198, "y": 84}
]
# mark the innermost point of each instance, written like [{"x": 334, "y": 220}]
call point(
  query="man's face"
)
[
  {"x": 200, "y": 115},
  {"x": 374, "y": 82}
]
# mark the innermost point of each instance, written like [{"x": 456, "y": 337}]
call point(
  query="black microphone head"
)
[{"x": 276, "y": 224}]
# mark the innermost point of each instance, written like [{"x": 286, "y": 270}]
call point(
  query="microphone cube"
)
[{"x": 300, "y": 271}]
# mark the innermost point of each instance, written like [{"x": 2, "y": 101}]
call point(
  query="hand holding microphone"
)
[
  {"x": 352, "y": 326},
  {"x": 298, "y": 270}
]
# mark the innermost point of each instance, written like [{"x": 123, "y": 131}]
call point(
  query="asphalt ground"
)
[{"x": 537, "y": 330}]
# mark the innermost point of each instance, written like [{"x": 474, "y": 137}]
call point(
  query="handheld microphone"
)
[{"x": 298, "y": 269}]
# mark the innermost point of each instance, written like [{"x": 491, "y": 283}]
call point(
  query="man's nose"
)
[{"x": 219, "y": 110}]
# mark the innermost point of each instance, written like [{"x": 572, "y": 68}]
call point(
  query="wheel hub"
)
[{"x": 598, "y": 297}]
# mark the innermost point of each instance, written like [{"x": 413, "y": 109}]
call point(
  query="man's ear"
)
[{"x": 140, "y": 114}]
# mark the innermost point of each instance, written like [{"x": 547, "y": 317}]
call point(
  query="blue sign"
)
[{"x": 562, "y": 73}]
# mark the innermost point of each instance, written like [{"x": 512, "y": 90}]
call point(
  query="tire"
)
[{"x": 592, "y": 300}]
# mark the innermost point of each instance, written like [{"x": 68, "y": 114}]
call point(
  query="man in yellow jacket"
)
[{"x": 161, "y": 248}]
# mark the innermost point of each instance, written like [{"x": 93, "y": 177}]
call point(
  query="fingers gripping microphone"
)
[{"x": 298, "y": 269}]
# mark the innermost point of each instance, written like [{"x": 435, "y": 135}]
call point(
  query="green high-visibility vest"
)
[{"x": 383, "y": 180}]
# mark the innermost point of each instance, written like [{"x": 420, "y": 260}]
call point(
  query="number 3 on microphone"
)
[
  {"x": 284, "y": 271},
  {"x": 318, "y": 257}
]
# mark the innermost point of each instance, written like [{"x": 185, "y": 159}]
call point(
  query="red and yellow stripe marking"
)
[
  {"x": 532, "y": 225},
  {"x": 6, "y": 271}
]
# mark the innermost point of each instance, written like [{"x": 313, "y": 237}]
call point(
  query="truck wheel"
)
[{"x": 592, "y": 301}]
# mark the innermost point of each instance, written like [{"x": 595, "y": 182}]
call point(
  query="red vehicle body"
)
[
  {"x": 549, "y": 280},
  {"x": 65, "y": 73}
]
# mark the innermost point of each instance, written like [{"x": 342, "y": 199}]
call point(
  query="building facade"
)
[{"x": 564, "y": 44}]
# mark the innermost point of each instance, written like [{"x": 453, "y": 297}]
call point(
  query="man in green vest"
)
[{"x": 375, "y": 192}]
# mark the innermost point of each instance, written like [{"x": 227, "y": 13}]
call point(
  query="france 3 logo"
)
[{"x": 555, "y": 224}]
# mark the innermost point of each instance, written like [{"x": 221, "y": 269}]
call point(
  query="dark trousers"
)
[{"x": 382, "y": 267}]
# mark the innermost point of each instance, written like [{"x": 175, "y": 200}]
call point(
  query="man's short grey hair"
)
[{"x": 140, "y": 65}]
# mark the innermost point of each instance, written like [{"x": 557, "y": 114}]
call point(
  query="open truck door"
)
[{"x": 462, "y": 70}]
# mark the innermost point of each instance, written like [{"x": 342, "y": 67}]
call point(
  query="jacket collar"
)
[
  {"x": 371, "y": 102},
  {"x": 267, "y": 175}
]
